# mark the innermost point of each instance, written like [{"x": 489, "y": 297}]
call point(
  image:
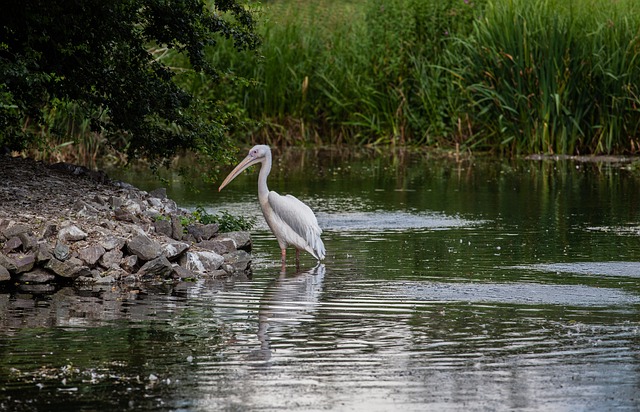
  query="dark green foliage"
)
[{"x": 97, "y": 54}]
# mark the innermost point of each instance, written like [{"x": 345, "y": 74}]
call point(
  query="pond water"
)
[{"x": 475, "y": 285}]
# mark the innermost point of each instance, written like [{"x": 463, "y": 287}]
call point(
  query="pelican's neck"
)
[{"x": 265, "y": 169}]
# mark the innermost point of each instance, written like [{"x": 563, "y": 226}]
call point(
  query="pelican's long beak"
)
[{"x": 246, "y": 162}]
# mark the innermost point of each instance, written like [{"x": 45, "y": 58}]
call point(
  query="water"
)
[{"x": 484, "y": 285}]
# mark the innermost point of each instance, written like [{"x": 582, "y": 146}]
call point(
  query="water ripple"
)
[{"x": 615, "y": 268}]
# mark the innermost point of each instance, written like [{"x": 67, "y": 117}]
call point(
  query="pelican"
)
[{"x": 291, "y": 221}]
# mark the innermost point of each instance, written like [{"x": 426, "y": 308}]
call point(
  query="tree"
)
[{"x": 96, "y": 55}]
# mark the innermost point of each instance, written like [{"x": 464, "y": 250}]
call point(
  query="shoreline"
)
[{"x": 65, "y": 224}]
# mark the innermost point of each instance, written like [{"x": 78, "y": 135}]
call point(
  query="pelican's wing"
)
[{"x": 300, "y": 218}]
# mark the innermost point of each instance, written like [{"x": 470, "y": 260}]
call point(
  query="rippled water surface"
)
[{"x": 480, "y": 285}]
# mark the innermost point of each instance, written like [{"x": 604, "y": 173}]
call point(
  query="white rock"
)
[
  {"x": 71, "y": 234},
  {"x": 201, "y": 261}
]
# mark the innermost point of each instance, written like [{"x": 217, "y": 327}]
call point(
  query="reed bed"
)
[
  {"x": 514, "y": 76},
  {"x": 556, "y": 76}
]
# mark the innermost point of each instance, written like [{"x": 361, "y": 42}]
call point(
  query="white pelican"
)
[{"x": 291, "y": 221}]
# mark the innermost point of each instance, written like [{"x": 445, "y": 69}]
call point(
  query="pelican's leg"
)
[
  {"x": 283, "y": 261},
  {"x": 298, "y": 260}
]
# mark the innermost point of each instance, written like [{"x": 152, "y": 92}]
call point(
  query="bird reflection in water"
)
[{"x": 287, "y": 305}]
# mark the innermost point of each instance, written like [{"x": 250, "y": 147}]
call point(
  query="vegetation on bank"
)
[
  {"x": 93, "y": 71},
  {"x": 511, "y": 76},
  {"x": 516, "y": 76}
]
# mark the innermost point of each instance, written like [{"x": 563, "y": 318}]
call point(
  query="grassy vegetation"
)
[
  {"x": 511, "y": 76},
  {"x": 226, "y": 221},
  {"x": 365, "y": 72},
  {"x": 556, "y": 76}
]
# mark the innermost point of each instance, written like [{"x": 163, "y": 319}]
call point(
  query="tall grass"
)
[
  {"x": 556, "y": 76},
  {"x": 65, "y": 135},
  {"x": 361, "y": 72}
]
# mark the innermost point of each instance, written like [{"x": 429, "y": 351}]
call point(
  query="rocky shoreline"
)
[{"x": 65, "y": 224}]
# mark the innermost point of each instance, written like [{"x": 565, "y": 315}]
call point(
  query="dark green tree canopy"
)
[{"x": 96, "y": 54}]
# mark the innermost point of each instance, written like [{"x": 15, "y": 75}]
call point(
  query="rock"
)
[
  {"x": 24, "y": 263},
  {"x": 183, "y": 273},
  {"x": 201, "y": 261},
  {"x": 116, "y": 202},
  {"x": 129, "y": 263},
  {"x": 133, "y": 206},
  {"x": 15, "y": 230},
  {"x": 28, "y": 242},
  {"x": 43, "y": 252},
  {"x": 7, "y": 263},
  {"x": 12, "y": 244},
  {"x": 210, "y": 230},
  {"x": 83, "y": 280},
  {"x": 170, "y": 206},
  {"x": 201, "y": 232},
  {"x": 177, "y": 231},
  {"x": 106, "y": 280},
  {"x": 39, "y": 288},
  {"x": 159, "y": 193},
  {"x": 174, "y": 250},
  {"x": 112, "y": 242},
  {"x": 239, "y": 261},
  {"x": 61, "y": 252},
  {"x": 242, "y": 240},
  {"x": 220, "y": 246},
  {"x": 50, "y": 230},
  {"x": 155, "y": 203},
  {"x": 112, "y": 275},
  {"x": 4, "y": 274},
  {"x": 196, "y": 232},
  {"x": 36, "y": 276},
  {"x": 4, "y": 223},
  {"x": 163, "y": 227},
  {"x": 91, "y": 254},
  {"x": 124, "y": 216},
  {"x": 70, "y": 269},
  {"x": 71, "y": 234},
  {"x": 129, "y": 279},
  {"x": 111, "y": 258},
  {"x": 101, "y": 201},
  {"x": 153, "y": 215},
  {"x": 158, "y": 267},
  {"x": 143, "y": 247},
  {"x": 84, "y": 209}
]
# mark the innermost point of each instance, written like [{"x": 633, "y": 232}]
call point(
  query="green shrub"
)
[{"x": 225, "y": 220}]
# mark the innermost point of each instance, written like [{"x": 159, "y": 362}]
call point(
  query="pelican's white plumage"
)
[{"x": 291, "y": 221}]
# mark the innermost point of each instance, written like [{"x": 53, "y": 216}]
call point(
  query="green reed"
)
[
  {"x": 512, "y": 75},
  {"x": 556, "y": 76},
  {"x": 362, "y": 72}
]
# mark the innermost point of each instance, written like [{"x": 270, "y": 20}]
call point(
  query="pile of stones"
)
[{"x": 115, "y": 233}]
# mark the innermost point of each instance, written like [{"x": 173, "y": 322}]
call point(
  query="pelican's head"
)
[{"x": 257, "y": 154}]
